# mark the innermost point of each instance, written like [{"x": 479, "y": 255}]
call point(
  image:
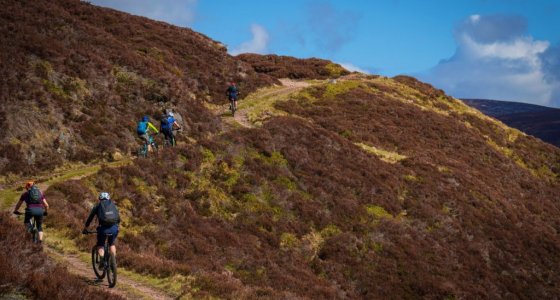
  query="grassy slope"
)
[{"x": 465, "y": 206}]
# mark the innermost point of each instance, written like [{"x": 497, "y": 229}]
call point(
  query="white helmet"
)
[
  {"x": 104, "y": 196},
  {"x": 170, "y": 114}
]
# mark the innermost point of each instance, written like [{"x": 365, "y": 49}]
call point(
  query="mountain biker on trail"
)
[
  {"x": 166, "y": 127},
  {"x": 36, "y": 207},
  {"x": 143, "y": 130},
  {"x": 232, "y": 92},
  {"x": 108, "y": 223}
]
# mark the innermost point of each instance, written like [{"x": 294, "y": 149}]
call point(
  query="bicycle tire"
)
[
  {"x": 112, "y": 271},
  {"x": 34, "y": 231},
  {"x": 100, "y": 274},
  {"x": 155, "y": 148}
]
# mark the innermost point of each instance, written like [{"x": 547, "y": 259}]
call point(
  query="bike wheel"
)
[
  {"x": 112, "y": 271},
  {"x": 155, "y": 148},
  {"x": 34, "y": 232},
  {"x": 95, "y": 260}
]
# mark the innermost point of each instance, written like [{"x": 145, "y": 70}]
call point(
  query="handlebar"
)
[{"x": 17, "y": 213}]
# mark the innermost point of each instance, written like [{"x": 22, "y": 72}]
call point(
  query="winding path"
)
[{"x": 126, "y": 286}]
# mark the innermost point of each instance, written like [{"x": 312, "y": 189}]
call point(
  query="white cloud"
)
[
  {"x": 177, "y": 12},
  {"x": 496, "y": 59},
  {"x": 257, "y": 44},
  {"x": 352, "y": 68}
]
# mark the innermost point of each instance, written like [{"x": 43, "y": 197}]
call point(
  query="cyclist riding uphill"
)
[
  {"x": 232, "y": 92},
  {"x": 36, "y": 207},
  {"x": 108, "y": 223},
  {"x": 166, "y": 127},
  {"x": 143, "y": 130}
]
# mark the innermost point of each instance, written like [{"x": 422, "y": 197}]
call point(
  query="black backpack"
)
[
  {"x": 35, "y": 195},
  {"x": 107, "y": 213},
  {"x": 165, "y": 122}
]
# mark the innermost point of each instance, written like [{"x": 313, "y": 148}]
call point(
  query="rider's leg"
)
[
  {"x": 100, "y": 241},
  {"x": 27, "y": 220},
  {"x": 114, "y": 230},
  {"x": 38, "y": 216},
  {"x": 171, "y": 138},
  {"x": 146, "y": 138}
]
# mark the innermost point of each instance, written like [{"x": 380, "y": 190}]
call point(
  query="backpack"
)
[
  {"x": 165, "y": 123},
  {"x": 142, "y": 127},
  {"x": 107, "y": 213},
  {"x": 232, "y": 91},
  {"x": 35, "y": 195}
]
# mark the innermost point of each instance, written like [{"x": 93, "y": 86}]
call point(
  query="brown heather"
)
[
  {"x": 27, "y": 272},
  {"x": 296, "y": 209}
]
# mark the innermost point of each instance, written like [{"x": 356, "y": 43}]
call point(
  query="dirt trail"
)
[
  {"x": 126, "y": 286},
  {"x": 288, "y": 86}
]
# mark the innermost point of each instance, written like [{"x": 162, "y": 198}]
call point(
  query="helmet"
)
[
  {"x": 232, "y": 83},
  {"x": 29, "y": 184},
  {"x": 170, "y": 114},
  {"x": 145, "y": 119},
  {"x": 104, "y": 196}
]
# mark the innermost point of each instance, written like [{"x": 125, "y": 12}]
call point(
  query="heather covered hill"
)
[
  {"x": 75, "y": 78},
  {"x": 539, "y": 121},
  {"x": 290, "y": 67},
  {"x": 365, "y": 188}
]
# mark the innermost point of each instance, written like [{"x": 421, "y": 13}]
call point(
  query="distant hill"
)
[{"x": 539, "y": 121}]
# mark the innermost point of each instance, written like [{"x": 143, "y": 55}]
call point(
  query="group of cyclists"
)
[
  {"x": 168, "y": 123},
  {"x": 105, "y": 210}
]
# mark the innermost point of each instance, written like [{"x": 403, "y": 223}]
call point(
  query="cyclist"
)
[
  {"x": 232, "y": 92},
  {"x": 166, "y": 127},
  {"x": 36, "y": 207},
  {"x": 143, "y": 129},
  {"x": 108, "y": 223}
]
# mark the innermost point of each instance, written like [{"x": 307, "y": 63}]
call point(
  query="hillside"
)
[
  {"x": 76, "y": 78},
  {"x": 364, "y": 187},
  {"x": 289, "y": 67},
  {"x": 539, "y": 121}
]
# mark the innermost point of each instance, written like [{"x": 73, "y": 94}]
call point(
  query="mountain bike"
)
[
  {"x": 32, "y": 227},
  {"x": 143, "y": 151},
  {"x": 170, "y": 143},
  {"x": 106, "y": 267},
  {"x": 232, "y": 108}
]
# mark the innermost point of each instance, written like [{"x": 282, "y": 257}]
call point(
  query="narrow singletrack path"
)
[
  {"x": 260, "y": 104},
  {"x": 126, "y": 286}
]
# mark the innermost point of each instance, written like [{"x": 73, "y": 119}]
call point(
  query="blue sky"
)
[{"x": 496, "y": 49}]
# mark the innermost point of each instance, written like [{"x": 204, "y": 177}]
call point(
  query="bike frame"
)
[
  {"x": 34, "y": 231},
  {"x": 106, "y": 262}
]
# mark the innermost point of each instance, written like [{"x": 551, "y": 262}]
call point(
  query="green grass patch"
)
[
  {"x": 288, "y": 241},
  {"x": 386, "y": 156},
  {"x": 9, "y": 198},
  {"x": 334, "y": 89},
  {"x": 335, "y": 70},
  {"x": 377, "y": 212}
]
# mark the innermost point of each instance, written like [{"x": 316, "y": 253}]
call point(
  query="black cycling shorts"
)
[{"x": 35, "y": 213}]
